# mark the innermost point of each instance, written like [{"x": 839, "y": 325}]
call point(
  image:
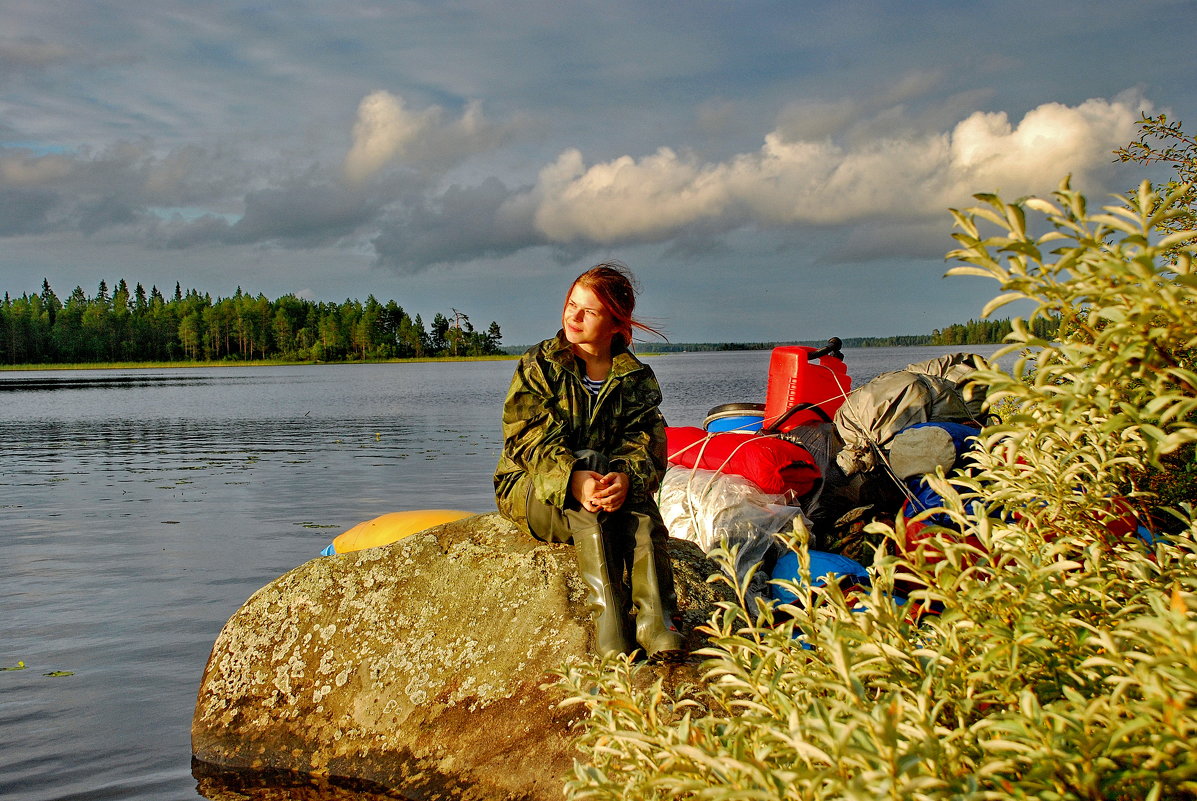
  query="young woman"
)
[{"x": 583, "y": 455}]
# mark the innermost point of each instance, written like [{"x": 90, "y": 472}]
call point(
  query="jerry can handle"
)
[{"x": 832, "y": 348}]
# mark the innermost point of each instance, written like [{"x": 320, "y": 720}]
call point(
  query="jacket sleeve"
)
[
  {"x": 640, "y": 452},
  {"x": 536, "y": 432}
]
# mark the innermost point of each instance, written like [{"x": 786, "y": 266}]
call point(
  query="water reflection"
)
[
  {"x": 20, "y": 382},
  {"x": 217, "y": 784},
  {"x": 141, "y": 508}
]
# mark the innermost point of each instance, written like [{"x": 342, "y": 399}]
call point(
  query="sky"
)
[{"x": 771, "y": 171}]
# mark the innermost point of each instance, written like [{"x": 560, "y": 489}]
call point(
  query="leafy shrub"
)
[
  {"x": 1166, "y": 143},
  {"x": 1041, "y": 654}
]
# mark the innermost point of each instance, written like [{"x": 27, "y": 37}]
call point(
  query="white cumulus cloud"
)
[
  {"x": 1050, "y": 141},
  {"x": 386, "y": 130},
  {"x": 626, "y": 199},
  {"x": 791, "y": 182}
]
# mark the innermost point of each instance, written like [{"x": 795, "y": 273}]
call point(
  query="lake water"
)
[{"x": 140, "y": 508}]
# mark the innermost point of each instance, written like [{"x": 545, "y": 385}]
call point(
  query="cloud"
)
[
  {"x": 793, "y": 181},
  {"x": 902, "y": 185},
  {"x": 25, "y": 211},
  {"x": 300, "y": 214},
  {"x": 894, "y": 109},
  {"x": 20, "y": 168},
  {"x": 1050, "y": 141},
  {"x": 464, "y": 223},
  {"x": 105, "y": 213},
  {"x": 386, "y": 130},
  {"x": 176, "y": 233},
  {"x": 29, "y": 54},
  {"x": 396, "y": 190},
  {"x": 117, "y": 187},
  {"x": 816, "y": 119},
  {"x": 192, "y": 174},
  {"x": 626, "y": 199}
]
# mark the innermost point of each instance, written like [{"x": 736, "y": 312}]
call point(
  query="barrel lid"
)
[{"x": 736, "y": 408}]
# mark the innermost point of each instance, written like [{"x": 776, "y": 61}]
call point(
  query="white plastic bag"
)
[{"x": 710, "y": 508}]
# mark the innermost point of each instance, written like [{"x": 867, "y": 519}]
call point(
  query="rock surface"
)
[{"x": 423, "y": 666}]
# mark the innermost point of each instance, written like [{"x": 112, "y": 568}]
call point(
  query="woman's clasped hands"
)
[{"x": 597, "y": 492}]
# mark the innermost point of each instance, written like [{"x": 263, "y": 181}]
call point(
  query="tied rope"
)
[
  {"x": 882, "y": 458},
  {"x": 694, "y": 499}
]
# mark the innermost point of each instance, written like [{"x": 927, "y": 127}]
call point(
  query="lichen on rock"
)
[{"x": 423, "y": 666}]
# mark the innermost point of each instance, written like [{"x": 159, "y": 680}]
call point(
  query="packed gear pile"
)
[{"x": 836, "y": 458}]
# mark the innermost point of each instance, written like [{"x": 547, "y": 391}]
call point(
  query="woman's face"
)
[{"x": 586, "y": 320}]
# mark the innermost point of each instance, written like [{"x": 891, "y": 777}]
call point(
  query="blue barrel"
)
[{"x": 742, "y": 417}]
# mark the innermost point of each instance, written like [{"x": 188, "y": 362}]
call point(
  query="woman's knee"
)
[{"x": 550, "y": 524}]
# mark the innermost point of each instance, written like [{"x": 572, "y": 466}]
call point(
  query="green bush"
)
[
  {"x": 1062, "y": 662},
  {"x": 1162, "y": 142}
]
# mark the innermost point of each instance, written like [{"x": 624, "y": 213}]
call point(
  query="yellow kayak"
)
[{"x": 391, "y": 527}]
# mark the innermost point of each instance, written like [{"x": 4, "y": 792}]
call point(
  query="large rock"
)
[{"x": 423, "y": 666}]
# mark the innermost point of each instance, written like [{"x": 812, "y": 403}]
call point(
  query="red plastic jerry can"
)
[{"x": 803, "y": 391}]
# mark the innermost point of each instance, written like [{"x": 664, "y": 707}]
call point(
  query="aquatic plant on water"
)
[{"x": 1061, "y": 658}]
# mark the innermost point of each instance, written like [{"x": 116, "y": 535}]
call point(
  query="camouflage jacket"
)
[{"x": 548, "y": 415}]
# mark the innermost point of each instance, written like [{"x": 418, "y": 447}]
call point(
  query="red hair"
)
[{"x": 615, "y": 287}]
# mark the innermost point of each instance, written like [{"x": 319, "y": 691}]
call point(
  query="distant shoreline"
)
[
  {"x": 507, "y": 356},
  {"x": 239, "y": 363}
]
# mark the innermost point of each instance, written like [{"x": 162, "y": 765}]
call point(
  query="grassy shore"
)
[{"x": 254, "y": 363}]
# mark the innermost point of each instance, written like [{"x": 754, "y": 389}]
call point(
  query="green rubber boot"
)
[
  {"x": 653, "y": 594},
  {"x": 605, "y": 596}
]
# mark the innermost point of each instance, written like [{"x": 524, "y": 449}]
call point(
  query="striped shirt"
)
[{"x": 593, "y": 386}]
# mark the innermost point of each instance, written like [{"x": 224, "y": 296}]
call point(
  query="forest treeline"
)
[
  {"x": 137, "y": 326},
  {"x": 974, "y": 332},
  {"x": 979, "y": 332}
]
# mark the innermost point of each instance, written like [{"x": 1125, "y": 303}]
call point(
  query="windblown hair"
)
[{"x": 615, "y": 287}]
